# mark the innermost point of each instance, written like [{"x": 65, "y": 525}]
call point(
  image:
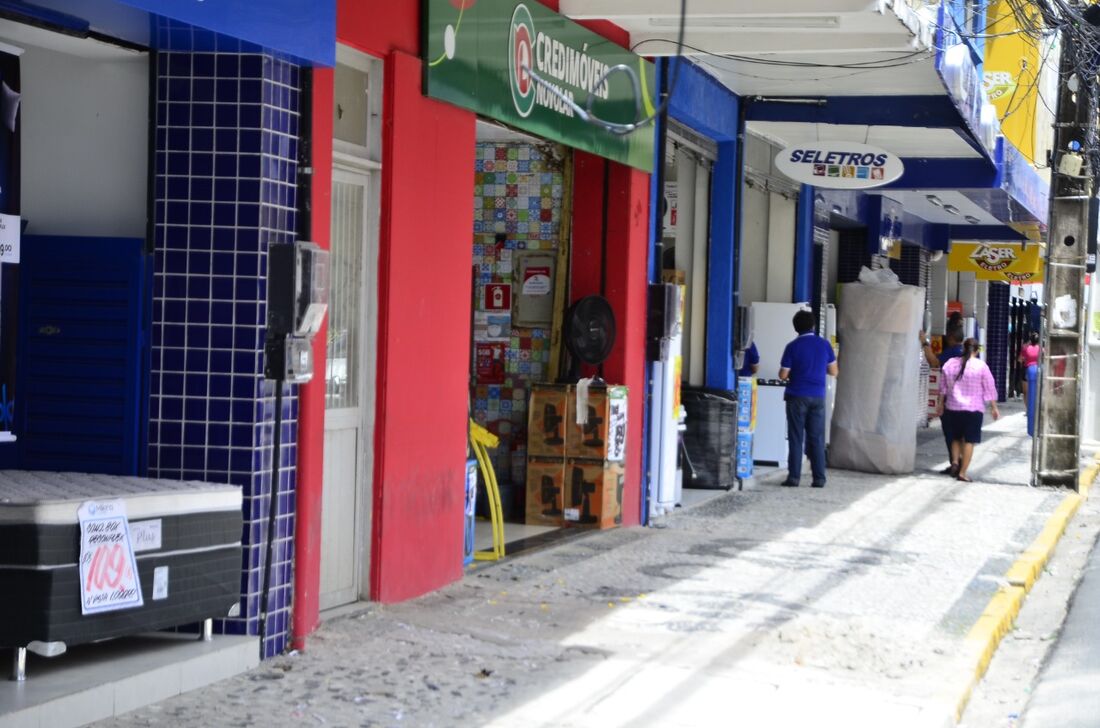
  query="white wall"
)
[
  {"x": 84, "y": 144},
  {"x": 782, "y": 214},
  {"x": 768, "y": 222},
  {"x": 754, "y": 245}
]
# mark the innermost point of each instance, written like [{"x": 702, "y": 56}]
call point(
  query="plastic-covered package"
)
[{"x": 874, "y": 427}]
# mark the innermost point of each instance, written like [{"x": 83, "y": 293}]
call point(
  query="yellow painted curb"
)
[
  {"x": 995, "y": 622},
  {"x": 1027, "y": 568},
  {"x": 986, "y": 634}
]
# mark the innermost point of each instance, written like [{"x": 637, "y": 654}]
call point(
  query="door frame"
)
[{"x": 357, "y": 163}]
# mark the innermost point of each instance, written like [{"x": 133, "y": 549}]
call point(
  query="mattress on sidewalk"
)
[{"x": 193, "y": 529}]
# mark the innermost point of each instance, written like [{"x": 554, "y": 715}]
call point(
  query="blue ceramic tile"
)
[
  {"x": 221, "y": 337},
  {"x": 201, "y": 188},
  {"x": 202, "y": 89},
  {"x": 225, "y": 114},
  {"x": 252, "y": 66},
  {"x": 250, "y": 116},
  {"x": 228, "y": 66},
  {"x": 202, "y": 115},
  {"x": 202, "y": 139}
]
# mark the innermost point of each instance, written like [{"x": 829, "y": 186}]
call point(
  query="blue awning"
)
[{"x": 302, "y": 30}]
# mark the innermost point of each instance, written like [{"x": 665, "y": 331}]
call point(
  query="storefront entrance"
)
[{"x": 520, "y": 245}]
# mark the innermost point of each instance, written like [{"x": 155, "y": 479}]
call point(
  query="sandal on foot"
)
[{"x": 963, "y": 479}]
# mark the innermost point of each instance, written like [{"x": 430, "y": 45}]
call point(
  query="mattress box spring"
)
[
  {"x": 197, "y": 531},
  {"x": 44, "y": 604}
]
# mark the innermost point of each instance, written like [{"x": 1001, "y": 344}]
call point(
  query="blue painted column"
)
[
  {"x": 996, "y": 337},
  {"x": 721, "y": 284},
  {"x": 225, "y": 190},
  {"x": 804, "y": 245}
]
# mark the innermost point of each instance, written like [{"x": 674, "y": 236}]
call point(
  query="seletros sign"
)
[
  {"x": 484, "y": 55},
  {"x": 839, "y": 165}
]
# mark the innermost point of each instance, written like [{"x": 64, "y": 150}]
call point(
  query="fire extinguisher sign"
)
[{"x": 498, "y": 297}]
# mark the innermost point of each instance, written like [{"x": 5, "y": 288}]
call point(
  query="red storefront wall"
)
[{"x": 424, "y": 312}]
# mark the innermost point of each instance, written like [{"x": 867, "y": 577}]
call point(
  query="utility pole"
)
[{"x": 1056, "y": 450}]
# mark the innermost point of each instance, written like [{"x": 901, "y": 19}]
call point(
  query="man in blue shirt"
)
[
  {"x": 806, "y": 362},
  {"x": 751, "y": 362}
]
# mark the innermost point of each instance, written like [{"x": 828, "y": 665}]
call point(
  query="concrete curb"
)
[{"x": 1000, "y": 614}]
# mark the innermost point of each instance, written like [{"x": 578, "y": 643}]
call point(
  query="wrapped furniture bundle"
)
[{"x": 874, "y": 426}]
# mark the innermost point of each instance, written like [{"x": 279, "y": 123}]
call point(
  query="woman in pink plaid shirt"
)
[{"x": 968, "y": 385}]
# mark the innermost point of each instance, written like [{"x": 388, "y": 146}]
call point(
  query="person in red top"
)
[
  {"x": 967, "y": 386},
  {"x": 1029, "y": 361}
]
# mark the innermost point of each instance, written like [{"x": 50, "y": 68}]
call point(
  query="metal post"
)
[
  {"x": 207, "y": 632},
  {"x": 1056, "y": 449},
  {"x": 19, "y": 665}
]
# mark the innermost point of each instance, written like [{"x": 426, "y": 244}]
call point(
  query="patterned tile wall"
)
[
  {"x": 997, "y": 337},
  {"x": 226, "y": 170},
  {"x": 517, "y": 193}
]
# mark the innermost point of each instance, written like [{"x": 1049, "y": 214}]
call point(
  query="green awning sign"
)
[{"x": 488, "y": 56}]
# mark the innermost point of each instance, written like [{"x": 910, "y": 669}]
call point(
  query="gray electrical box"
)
[{"x": 533, "y": 288}]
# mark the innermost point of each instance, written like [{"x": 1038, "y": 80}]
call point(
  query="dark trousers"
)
[{"x": 806, "y": 430}]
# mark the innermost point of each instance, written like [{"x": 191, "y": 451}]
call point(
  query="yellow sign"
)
[
  {"x": 1011, "y": 76},
  {"x": 994, "y": 261},
  {"x": 1020, "y": 278}
]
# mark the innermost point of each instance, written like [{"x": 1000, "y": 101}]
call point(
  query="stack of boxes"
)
[{"x": 575, "y": 471}]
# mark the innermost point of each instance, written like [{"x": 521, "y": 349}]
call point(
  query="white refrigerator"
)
[{"x": 772, "y": 331}]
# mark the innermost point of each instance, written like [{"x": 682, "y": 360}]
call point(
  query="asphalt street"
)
[{"x": 1066, "y": 695}]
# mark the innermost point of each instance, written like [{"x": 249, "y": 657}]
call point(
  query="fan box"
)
[
  {"x": 603, "y": 436},
  {"x": 545, "y": 490},
  {"x": 546, "y": 423},
  {"x": 593, "y": 493}
]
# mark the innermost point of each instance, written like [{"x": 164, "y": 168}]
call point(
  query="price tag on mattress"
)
[{"x": 108, "y": 570}]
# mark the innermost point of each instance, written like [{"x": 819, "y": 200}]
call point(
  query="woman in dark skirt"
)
[{"x": 967, "y": 386}]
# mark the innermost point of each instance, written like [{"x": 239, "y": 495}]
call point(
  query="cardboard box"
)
[
  {"x": 603, "y": 436},
  {"x": 744, "y": 455},
  {"x": 746, "y": 404},
  {"x": 547, "y": 416},
  {"x": 593, "y": 493},
  {"x": 545, "y": 490}
]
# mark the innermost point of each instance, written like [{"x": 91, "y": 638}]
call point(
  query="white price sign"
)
[
  {"x": 108, "y": 570},
  {"x": 10, "y": 234},
  {"x": 616, "y": 425}
]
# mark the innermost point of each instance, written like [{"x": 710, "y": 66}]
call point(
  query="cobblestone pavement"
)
[{"x": 844, "y": 606}]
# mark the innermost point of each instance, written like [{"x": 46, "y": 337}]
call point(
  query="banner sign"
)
[
  {"x": 839, "y": 165},
  {"x": 1009, "y": 262},
  {"x": 108, "y": 571},
  {"x": 484, "y": 55}
]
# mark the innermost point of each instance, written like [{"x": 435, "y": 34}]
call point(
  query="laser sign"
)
[{"x": 997, "y": 261}]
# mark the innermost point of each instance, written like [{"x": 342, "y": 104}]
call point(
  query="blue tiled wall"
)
[
  {"x": 226, "y": 168},
  {"x": 996, "y": 337}
]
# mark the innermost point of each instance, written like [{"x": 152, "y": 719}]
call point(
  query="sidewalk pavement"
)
[{"x": 847, "y": 606}]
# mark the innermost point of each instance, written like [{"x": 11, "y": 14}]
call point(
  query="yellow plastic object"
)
[{"x": 482, "y": 440}]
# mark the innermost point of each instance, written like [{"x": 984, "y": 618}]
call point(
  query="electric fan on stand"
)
[{"x": 589, "y": 331}]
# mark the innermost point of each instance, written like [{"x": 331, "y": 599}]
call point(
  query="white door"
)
[{"x": 349, "y": 387}]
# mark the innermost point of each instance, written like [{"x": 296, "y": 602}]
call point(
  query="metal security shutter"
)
[
  {"x": 853, "y": 254},
  {"x": 80, "y": 357}
]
